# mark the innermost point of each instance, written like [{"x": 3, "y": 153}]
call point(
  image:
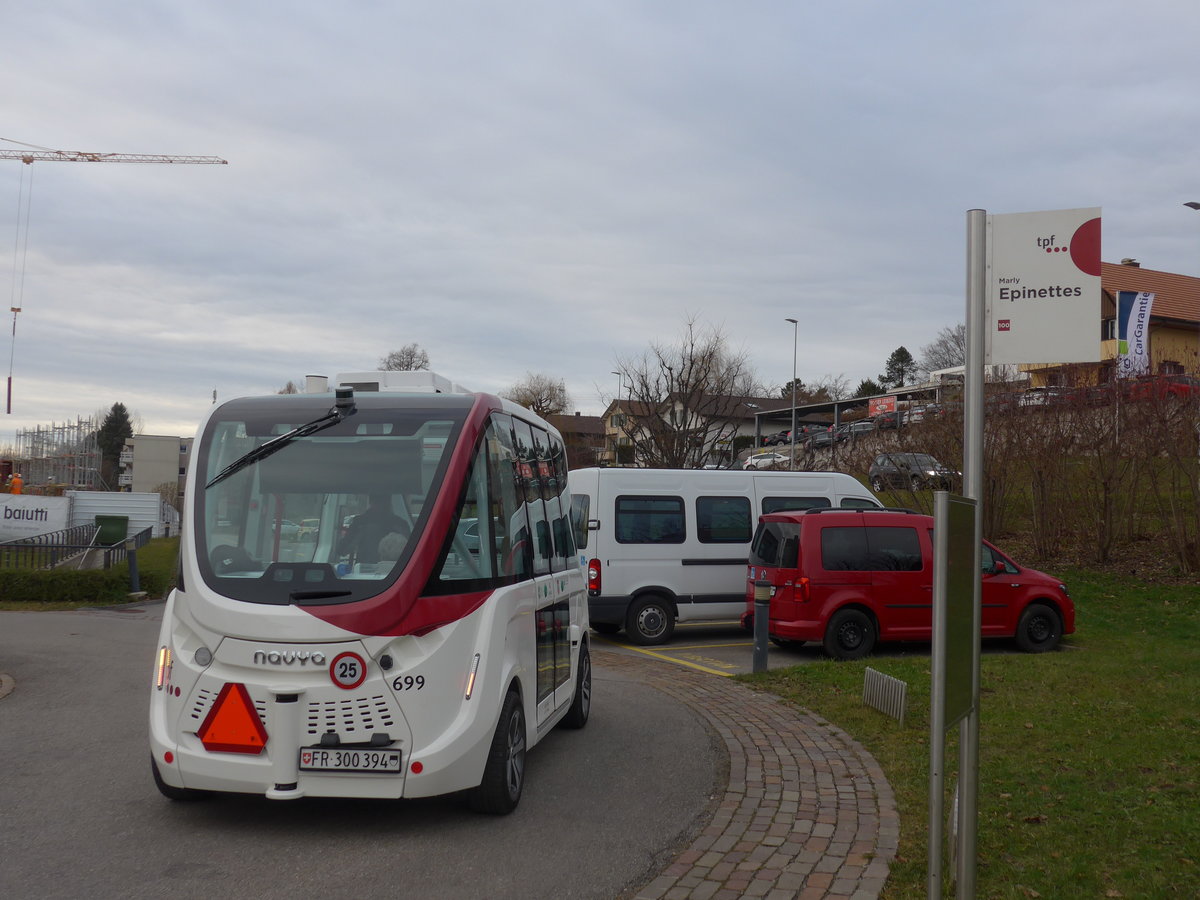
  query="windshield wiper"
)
[{"x": 343, "y": 405}]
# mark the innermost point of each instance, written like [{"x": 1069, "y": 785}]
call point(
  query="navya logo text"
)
[{"x": 288, "y": 658}]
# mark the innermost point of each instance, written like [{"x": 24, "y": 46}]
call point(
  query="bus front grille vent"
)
[{"x": 354, "y": 716}]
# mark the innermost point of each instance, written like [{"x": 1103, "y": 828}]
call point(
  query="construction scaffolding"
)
[{"x": 65, "y": 455}]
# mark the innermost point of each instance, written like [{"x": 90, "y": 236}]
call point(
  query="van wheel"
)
[
  {"x": 650, "y": 621},
  {"x": 916, "y": 482},
  {"x": 849, "y": 635},
  {"x": 504, "y": 774},
  {"x": 581, "y": 705},
  {"x": 605, "y": 627},
  {"x": 877, "y": 484},
  {"x": 1039, "y": 629},
  {"x": 170, "y": 791}
]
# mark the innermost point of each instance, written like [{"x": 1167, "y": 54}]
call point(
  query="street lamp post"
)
[{"x": 792, "y": 433}]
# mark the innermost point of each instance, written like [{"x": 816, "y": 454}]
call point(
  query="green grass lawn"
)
[{"x": 1089, "y": 781}]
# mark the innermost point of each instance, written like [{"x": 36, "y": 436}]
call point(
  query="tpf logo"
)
[{"x": 1050, "y": 244}]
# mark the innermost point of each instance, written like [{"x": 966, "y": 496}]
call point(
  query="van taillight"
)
[
  {"x": 801, "y": 593},
  {"x": 593, "y": 576}
]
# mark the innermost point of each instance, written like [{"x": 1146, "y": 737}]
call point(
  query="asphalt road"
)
[
  {"x": 604, "y": 808},
  {"x": 715, "y": 646}
]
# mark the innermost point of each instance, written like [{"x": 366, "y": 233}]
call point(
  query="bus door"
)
[{"x": 547, "y": 521}]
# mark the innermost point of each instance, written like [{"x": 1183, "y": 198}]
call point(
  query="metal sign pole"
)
[{"x": 973, "y": 408}]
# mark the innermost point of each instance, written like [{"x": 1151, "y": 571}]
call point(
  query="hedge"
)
[{"x": 102, "y": 587}]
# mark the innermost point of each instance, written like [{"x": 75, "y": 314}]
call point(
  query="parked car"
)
[
  {"x": 780, "y": 437},
  {"x": 911, "y": 470},
  {"x": 826, "y": 437},
  {"x": 1160, "y": 387},
  {"x": 288, "y": 531},
  {"x": 1041, "y": 396},
  {"x": 855, "y": 430},
  {"x": 893, "y": 419},
  {"x": 849, "y": 579},
  {"x": 308, "y": 528},
  {"x": 765, "y": 460}
]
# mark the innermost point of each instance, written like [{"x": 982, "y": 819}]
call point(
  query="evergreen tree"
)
[
  {"x": 899, "y": 370},
  {"x": 110, "y": 438},
  {"x": 868, "y": 387}
]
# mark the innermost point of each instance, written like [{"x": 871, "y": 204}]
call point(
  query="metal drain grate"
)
[{"x": 887, "y": 694}]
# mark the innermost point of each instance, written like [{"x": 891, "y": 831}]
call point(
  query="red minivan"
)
[{"x": 850, "y": 578}]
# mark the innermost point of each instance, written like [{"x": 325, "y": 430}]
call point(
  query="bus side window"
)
[
  {"x": 485, "y": 548},
  {"x": 534, "y": 507}
]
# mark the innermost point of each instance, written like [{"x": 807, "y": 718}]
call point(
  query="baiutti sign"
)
[
  {"x": 1043, "y": 298},
  {"x": 24, "y": 515}
]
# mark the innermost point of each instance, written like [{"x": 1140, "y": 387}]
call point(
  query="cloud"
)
[{"x": 546, "y": 187}]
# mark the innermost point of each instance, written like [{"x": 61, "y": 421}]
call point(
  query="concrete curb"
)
[
  {"x": 7, "y": 685},
  {"x": 807, "y": 813}
]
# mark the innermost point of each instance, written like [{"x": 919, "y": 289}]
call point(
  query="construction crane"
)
[{"x": 33, "y": 154}]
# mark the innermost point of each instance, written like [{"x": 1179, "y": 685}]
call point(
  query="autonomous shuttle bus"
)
[{"x": 379, "y": 596}]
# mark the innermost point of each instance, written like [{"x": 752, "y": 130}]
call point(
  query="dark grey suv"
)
[{"x": 910, "y": 470}]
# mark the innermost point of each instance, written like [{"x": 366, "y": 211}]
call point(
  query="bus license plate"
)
[{"x": 335, "y": 759}]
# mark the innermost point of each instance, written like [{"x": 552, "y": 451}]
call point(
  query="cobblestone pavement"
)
[{"x": 807, "y": 812}]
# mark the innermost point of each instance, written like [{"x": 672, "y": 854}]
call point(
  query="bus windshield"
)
[{"x": 329, "y": 517}]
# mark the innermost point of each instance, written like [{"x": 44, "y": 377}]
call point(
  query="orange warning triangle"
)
[{"x": 233, "y": 725}]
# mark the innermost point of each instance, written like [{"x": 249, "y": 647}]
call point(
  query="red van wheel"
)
[{"x": 850, "y": 634}]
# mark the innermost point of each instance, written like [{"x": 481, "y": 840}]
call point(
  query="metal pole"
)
[
  {"x": 792, "y": 433},
  {"x": 968, "y": 734},
  {"x": 762, "y": 621}
]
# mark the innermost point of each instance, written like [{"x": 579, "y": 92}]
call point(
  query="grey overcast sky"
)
[{"x": 550, "y": 186}]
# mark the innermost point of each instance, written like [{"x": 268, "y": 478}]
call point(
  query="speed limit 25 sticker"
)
[{"x": 348, "y": 670}]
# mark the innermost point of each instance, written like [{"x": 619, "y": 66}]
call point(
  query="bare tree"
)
[
  {"x": 831, "y": 387},
  {"x": 289, "y": 388},
  {"x": 541, "y": 394},
  {"x": 681, "y": 398},
  {"x": 408, "y": 358},
  {"x": 949, "y": 349}
]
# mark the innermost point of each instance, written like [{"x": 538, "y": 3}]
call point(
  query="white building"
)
[{"x": 149, "y": 461}]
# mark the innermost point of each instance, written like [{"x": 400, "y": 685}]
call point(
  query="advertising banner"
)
[
  {"x": 1043, "y": 299},
  {"x": 878, "y": 405},
  {"x": 24, "y": 515},
  {"x": 1133, "y": 332}
]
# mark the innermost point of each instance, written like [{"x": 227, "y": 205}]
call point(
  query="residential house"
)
[
  {"x": 583, "y": 436},
  {"x": 1174, "y": 335},
  {"x": 681, "y": 430}
]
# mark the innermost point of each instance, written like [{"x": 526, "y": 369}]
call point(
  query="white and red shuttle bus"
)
[{"x": 379, "y": 596}]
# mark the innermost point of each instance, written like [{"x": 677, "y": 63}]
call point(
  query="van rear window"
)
[
  {"x": 775, "y": 545},
  {"x": 650, "y": 520},
  {"x": 580, "y": 505}
]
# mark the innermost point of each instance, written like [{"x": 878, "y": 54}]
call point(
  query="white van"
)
[{"x": 667, "y": 545}]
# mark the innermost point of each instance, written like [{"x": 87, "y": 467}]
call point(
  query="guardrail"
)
[{"x": 45, "y": 551}]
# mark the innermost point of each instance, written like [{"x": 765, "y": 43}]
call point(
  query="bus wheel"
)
[
  {"x": 171, "y": 792},
  {"x": 504, "y": 774},
  {"x": 581, "y": 705},
  {"x": 650, "y": 621}
]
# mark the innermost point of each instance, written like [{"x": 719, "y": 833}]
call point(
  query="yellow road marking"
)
[{"x": 681, "y": 662}]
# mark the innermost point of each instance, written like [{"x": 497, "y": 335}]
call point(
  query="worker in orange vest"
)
[{"x": 16, "y": 483}]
